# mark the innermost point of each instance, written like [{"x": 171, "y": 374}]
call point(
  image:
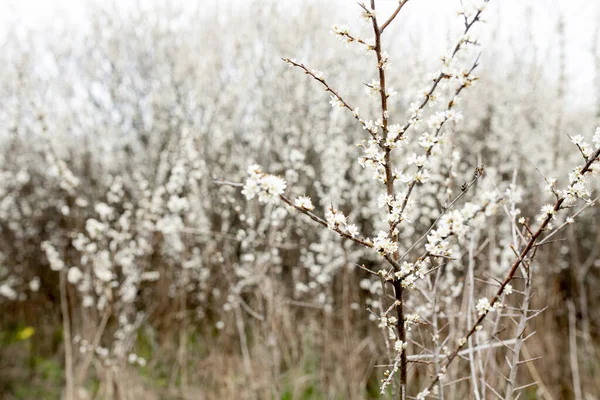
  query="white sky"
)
[{"x": 430, "y": 17}]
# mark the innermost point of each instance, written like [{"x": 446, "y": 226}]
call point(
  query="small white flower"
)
[
  {"x": 56, "y": 263},
  {"x": 267, "y": 188},
  {"x": 339, "y": 218},
  {"x": 103, "y": 266},
  {"x": 304, "y": 202},
  {"x": 335, "y": 218},
  {"x": 8, "y": 292},
  {"x": 272, "y": 187},
  {"x": 94, "y": 228},
  {"x": 336, "y": 102},
  {"x": 422, "y": 176},
  {"x": 547, "y": 210},
  {"x": 423, "y": 394},
  {"x": 339, "y": 30},
  {"x": 34, "y": 284},
  {"x": 427, "y": 141},
  {"x": 412, "y": 319},
  {"x": 104, "y": 210},
  {"x": 352, "y": 230},
  {"x": 367, "y": 13},
  {"x": 483, "y": 306},
  {"x": 318, "y": 74},
  {"x": 508, "y": 289},
  {"x": 383, "y": 322},
  {"x": 578, "y": 140},
  {"x": 88, "y": 301},
  {"x": 384, "y": 244},
  {"x": 436, "y": 120},
  {"x": 596, "y": 138},
  {"x": 74, "y": 275},
  {"x": 373, "y": 89},
  {"x": 384, "y": 199},
  {"x": 399, "y": 346}
]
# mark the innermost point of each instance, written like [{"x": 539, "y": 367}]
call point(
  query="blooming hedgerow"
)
[{"x": 413, "y": 234}]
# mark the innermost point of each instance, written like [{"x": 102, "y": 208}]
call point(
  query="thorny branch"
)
[{"x": 524, "y": 253}]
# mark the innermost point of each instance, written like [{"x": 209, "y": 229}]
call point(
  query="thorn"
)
[
  {"x": 525, "y": 386},
  {"x": 529, "y": 360}
]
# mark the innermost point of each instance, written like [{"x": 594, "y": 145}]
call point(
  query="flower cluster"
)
[
  {"x": 367, "y": 12},
  {"x": 266, "y": 187},
  {"x": 422, "y": 395},
  {"x": 384, "y": 244},
  {"x": 399, "y": 346},
  {"x": 337, "y": 221},
  {"x": 304, "y": 203},
  {"x": 55, "y": 260},
  {"x": 373, "y": 158},
  {"x": 410, "y": 273},
  {"x": 578, "y": 186},
  {"x": 484, "y": 306}
]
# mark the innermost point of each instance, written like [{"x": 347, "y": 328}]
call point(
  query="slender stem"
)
[
  {"x": 470, "y": 305},
  {"x": 389, "y": 181},
  {"x": 90, "y": 354},
  {"x": 67, "y": 338},
  {"x": 183, "y": 362},
  {"x": 329, "y": 89},
  {"x": 436, "y": 335},
  {"x": 396, "y": 11},
  {"x": 573, "y": 351},
  {"x": 512, "y": 378}
]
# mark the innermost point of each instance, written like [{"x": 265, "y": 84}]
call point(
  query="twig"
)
[
  {"x": 444, "y": 210},
  {"x": 391, "y": 18},
  {"x": 573, "y": 351},
  {"x": 67, "y": 337},
  {"x": 556, "y": 230}
]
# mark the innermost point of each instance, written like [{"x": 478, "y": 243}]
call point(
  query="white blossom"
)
[
  {"x": 267, "y": 188},
  {"x": 596, "y": 138},
  {"x": 318, "y": 74},
  {"x": 399, "y": 346},
  {"x": 336, "y": 102},
  {"x": 483, "y": 306},
  {"x": 8, "y": 292},
  {"x": 56, "y": 263},
  {"x": 352, "y": 230},
  {"x": 74, "y": 275},
  {"x": 384, "y": 245},
  {"x": 304, "y": 202}
]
